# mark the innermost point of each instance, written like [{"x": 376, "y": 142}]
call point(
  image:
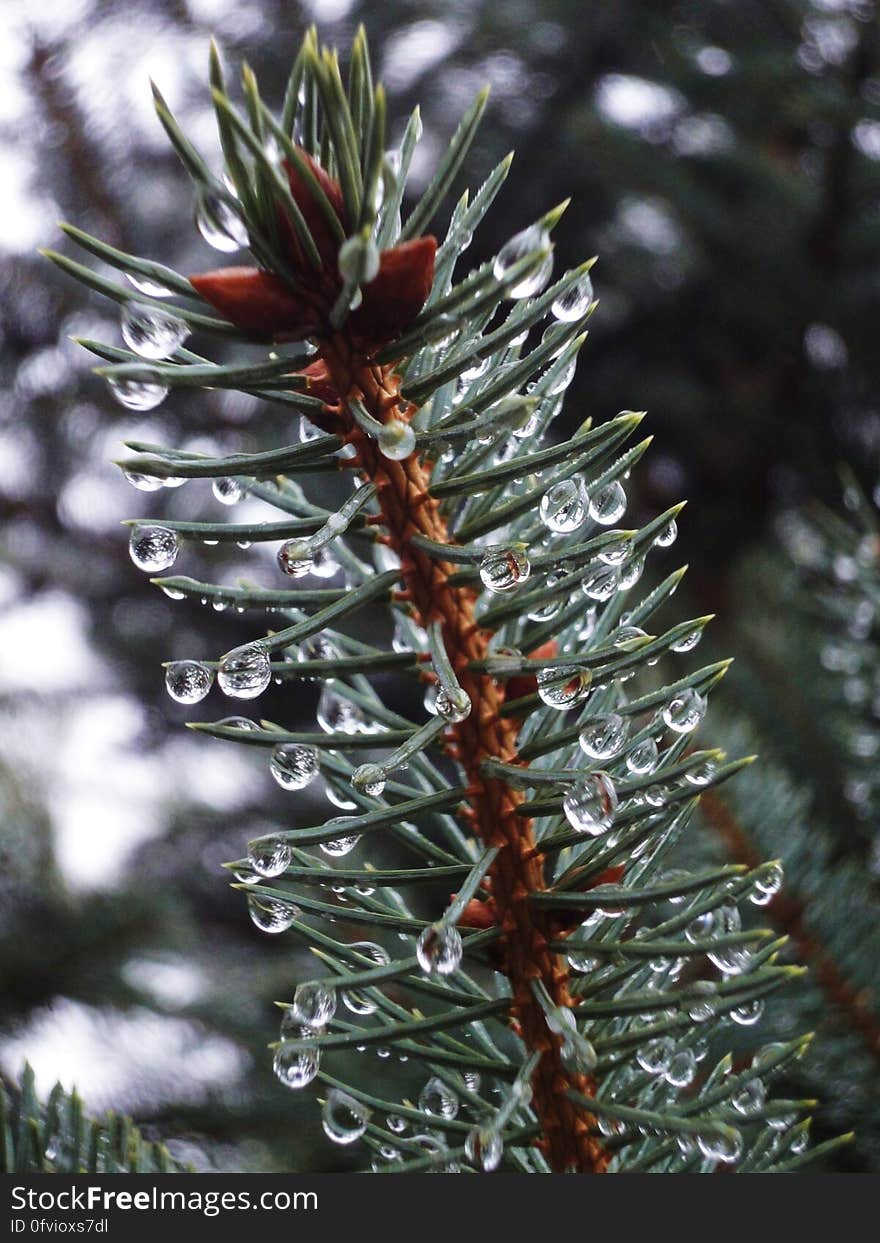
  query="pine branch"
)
[
  {"x": 788, "y": 915},
  {"x": 58, "y": 1138},
  {"x": 552, "y": 776}
]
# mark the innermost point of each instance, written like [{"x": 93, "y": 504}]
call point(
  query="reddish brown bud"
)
[
  {"x": 478, "y": 914},
  {"x": 393, "y": 300},
  {"x": 318, "y": 382},
  {"x": 257, "y": 302},
  {"x": 313, "y": 212}
]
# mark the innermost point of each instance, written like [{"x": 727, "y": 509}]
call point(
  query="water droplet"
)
[
  {"x": 226, "y": 490},
  {"x": 562, "y": 686},
  {"x": 731, "y": 959},
  {"x": 369, "y": 779},
  {"x": 153, "y": 548},
  {"x": 343, "y": 844},
  {"x": 147, "y": 286},
  {"x": 617, "y": 549},
  {"x": 601, "y": 581},
  {"x": 655, "y": 1056},
  {"x": 343, "y": 1118},
  {"x": 502, "y": 569},
  {"x": 702, "y": 1007},
  {"x": 767, "y": 884},
  {"x": 604, "y": 736},
  {"x": 296, "y": 558},
  {"x": 138, "y": 394},
  {"x": 143, "y": 483},
  {"x": 269, "y": 856},
  {"x": 681, "y": 1069},
  {"x": 512, "y": 252},
  {"x": 630, "y": 573},
  {"x": 750, "y": 1098},
  {"x": 574, "y": 302},
  {"x": 564, "y": 506},
  {"x": 245, "y": 672},
  {"x": 333, "y": 795},
  {"x": 748, "y": 1014},
  {"x": 455, "y": 707},
  {"x": 239, "y": 722},
  {"x": 608, "y": 505},
  {"x": 667, "y": 535},
  {"x": 173, "y": 593},
  {"x": 484, "y": 1148},
  {"x": 475, "y": 371},
  {"x": 563, "y": 377},
  {"x": 643, "y": 757},
  {"x": 701, "y": 774},
  {"x": 589, "y": 805},
  {"x": 293, "y": 765},
  {"x": 434, "y": 1146},
  {"x": 438, "y": 1100},
  {"x": 188, "y": 681},
  {"x": 270, "y": 915},
  {"x": 296, "y": 1068},
  {"x": 700, "y": 927},
  {"x": 439, "y": 949},
  {"x": 358, "y": 1003},
  {"x": 151, "y": 332},
  {"x": 337, "y": 715},
  {"x": 578, "y": 1053},
  {"x": 396, "y": 440},
  {"x": 685, "y": 710},
  {"x": 218, "y": 224},
  {"x": 324, "y": 564},
  {"x": 396, "y": 1124},
  {"x": 722, "y": 1145},
  {"x": 688, "y": 642}
]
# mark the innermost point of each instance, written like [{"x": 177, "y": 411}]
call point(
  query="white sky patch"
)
[
  {"x": 329, "y": 10},
  {"x": 648, "y": 223},
  {"x": 126, "y": 1061},
  {"x": 411, "y": 52},
  {"x": 825, "y": 347},
  {"x": 27, "y": 218},
  {"x": 173, "y": 982},
  {"x": 866, "y": 138},
  {"x": 93, "y": 500},
  {"x": 714, "y": 61},
  {"x": 111, "y": 71},
  {"x": 103, "y": 792},
  {"x": 45, "y": 646},
  {"x": 636, "y": 103},
  {"x": 703, "y": 134}
]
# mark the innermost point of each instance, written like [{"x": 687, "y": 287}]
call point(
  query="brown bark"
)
[{"x": 408, "y": 509}]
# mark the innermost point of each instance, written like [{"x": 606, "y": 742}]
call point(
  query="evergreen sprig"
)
[
  {"x": 542, "y": 990},
  {"x": 58, "y": 1138}
]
